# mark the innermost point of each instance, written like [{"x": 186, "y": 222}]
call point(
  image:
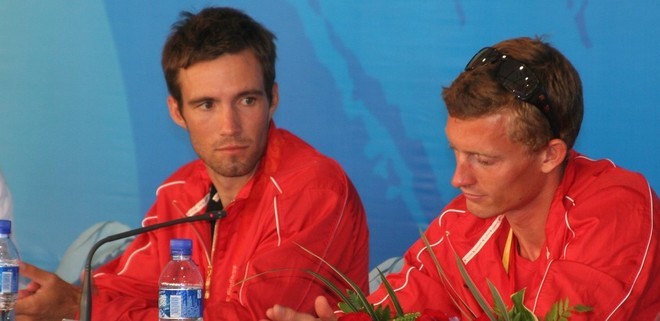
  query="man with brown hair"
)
[
  {"x": 533, "y": 213},
  {"x": 278, "y": 192}
]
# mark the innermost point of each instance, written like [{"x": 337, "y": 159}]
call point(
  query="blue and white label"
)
[
  {"x": 180, "y": 303},
  {"x": 9, "y": 279}
]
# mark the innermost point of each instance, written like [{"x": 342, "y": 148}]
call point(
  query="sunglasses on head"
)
[{"x": 515, "y": 77}]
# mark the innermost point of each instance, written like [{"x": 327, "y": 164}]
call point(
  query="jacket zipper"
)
[{"x": 209, "y": 269}]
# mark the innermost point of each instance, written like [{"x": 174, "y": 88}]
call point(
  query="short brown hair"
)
[
  {"x": 476, "y": 93},
  {"x": 211, "y": 33}
]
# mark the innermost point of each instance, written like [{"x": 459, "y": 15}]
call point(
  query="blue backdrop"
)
[{"x": 85, "y": 135}]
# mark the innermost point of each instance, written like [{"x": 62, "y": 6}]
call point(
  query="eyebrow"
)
[
  {"x": 252, "y": 92},
  {"x": 199, "y": 100},
  {"x": 471, "y": 152},
  {"x": 249, "y": 92}
]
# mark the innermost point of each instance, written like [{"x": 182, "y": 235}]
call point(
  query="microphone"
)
[{"x": 86, "y": 296}]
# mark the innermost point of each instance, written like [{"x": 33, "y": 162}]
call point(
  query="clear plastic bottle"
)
[
  {"x": 180, "y": 294},
  {"x": 8, "y": 271}
]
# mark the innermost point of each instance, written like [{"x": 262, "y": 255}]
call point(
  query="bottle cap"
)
[
  {"x": 5, "y": 227},
  {"x": 181, "y": 246}
]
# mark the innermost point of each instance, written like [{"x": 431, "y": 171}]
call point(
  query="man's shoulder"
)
[
  {"x": 598, "y": 191},
  {"x": 294, "y": 166},
  {"x": 604, "y": 211},
  {"x": 587, "y": 176},
  {"x": 295, "y": 155},
  {"x": 192, "y": 172}
]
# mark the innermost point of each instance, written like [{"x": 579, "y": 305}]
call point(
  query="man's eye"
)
[
  {"x": 485, "y": 160},
  {"x": 206, "y": 105},
  {"x": 248, "y": 101}
]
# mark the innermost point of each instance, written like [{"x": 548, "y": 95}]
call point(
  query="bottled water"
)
[
  {"x": 180, "y": 293},
  {"x": 8, "y": 271}
]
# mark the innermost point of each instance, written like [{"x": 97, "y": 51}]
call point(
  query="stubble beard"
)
[{"x": 234, "y": 167}]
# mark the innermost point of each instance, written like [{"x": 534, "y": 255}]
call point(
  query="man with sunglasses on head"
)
[{"x": 533, "y": 214}]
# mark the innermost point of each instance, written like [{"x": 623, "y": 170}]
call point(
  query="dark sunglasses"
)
[{"x": 515, "y": 77}]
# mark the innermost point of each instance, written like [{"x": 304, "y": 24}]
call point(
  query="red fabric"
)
[
  {"x": 602, "y": 251},
  {"x": 355, "y": 316},
  {"x": 433, "y": 315},
  {"x": 297, "y": 196}
]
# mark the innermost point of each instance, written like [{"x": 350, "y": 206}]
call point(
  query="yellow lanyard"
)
[{"x": 506, "y": 255}]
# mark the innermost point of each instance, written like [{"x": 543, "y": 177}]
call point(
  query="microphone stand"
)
[{"x": 86, "y": 296}]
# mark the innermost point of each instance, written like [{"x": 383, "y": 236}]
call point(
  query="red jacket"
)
[
  {"x": 297, "y": 196},
  {"x": 602, "y": 251}
]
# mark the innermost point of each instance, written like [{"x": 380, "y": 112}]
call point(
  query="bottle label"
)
[
  {"x": 9, "y": 279},
  {"x": 180, "y": 303}
]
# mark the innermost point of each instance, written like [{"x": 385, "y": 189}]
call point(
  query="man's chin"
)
[
  {"x": 238, "y": 172},
  {"x": 233, "y": 170},
  {"x": 479, "y": 211}
]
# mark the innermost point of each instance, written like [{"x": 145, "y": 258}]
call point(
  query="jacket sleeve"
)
[
  {"x": 128, "y": 294},
  {"x": 127, "y": 287},
  {"x": 611, "y": 262},
  {"x": 330, "y": 223},
  {"x": 417, "y": 286}
]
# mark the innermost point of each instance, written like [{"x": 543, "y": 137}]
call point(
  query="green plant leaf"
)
[
  {"x": 582, "y": 308},
  {"x": 473, "y": 289},
  {"x": 553, "y": 313},
  {"x": 261, "y": 274},
  {"x": 461, "y": 306},
  {"x": 345, "y": 307},
  {"x": 348, "y": 302},
  {"x": 562, "y": 311},
  {"x": 519, "y": 308},
  {"x": 369, "y": 309},
  {"x": 499, "y": 303},
  {"x": 382, "y": 314},
  {"x": 390, "y": 291},
  {"x": 408, "y": 317}
]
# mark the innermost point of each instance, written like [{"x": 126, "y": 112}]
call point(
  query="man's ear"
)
[
  {"x": 554, "y": 155},
  {"x": 175, "y": 112},
  {"x": 275, "y": 100}
]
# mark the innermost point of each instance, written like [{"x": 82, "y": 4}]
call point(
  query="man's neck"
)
[
  {"x": 228, "y": 187},
  {"x": 529, "y": 224},
  {"x": 530, "y": 242}
]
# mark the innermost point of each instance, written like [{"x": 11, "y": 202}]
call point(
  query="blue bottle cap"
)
[
  {"x": 5, "y": 227},
  {"x": 181, "y": 246}
]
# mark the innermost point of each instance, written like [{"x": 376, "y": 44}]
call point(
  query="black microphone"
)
[{"x": 86, "y": 296}]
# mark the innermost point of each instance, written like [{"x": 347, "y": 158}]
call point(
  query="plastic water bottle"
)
[
  {"x": 8, "y": 272},
  {"x": 180, "y": 294}
]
